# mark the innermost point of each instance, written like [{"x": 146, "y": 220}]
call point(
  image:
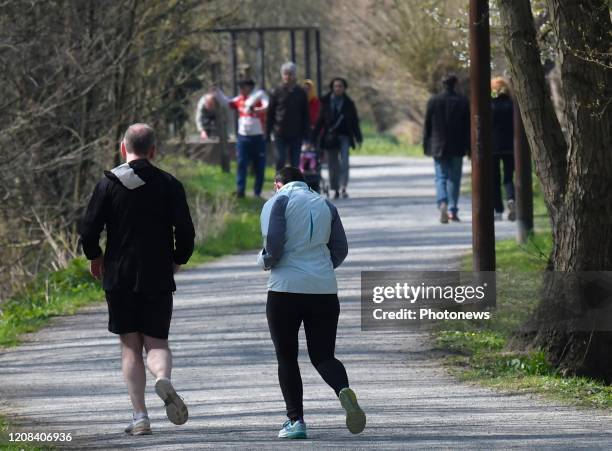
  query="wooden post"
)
[
  {"x": 307, "y": 53},
  {"x": 292, "y": 42},
  {"x": 261, "y": 53},
  {"x": 221, "y": 118},
  {"x": 318, "y": 57},
  {"x": 523, "y": 181},
  {"x": 483, "y": 231}
]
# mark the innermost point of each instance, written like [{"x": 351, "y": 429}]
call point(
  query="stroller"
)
[{"x": 310, "y": 165}]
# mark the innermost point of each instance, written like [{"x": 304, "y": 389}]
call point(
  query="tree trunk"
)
[{"x": 575, "y": 169}]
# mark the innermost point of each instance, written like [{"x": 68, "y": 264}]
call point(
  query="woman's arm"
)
[
  {"x": 275, "y": 236},
  {"x": 337, "y": 244}
]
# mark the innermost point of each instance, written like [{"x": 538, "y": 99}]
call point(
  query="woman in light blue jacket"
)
[{"x": 303, "y": 242}]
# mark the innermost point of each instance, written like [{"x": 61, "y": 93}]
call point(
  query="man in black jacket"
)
[
  {"x": 149, "y": 234},
  {"x": 288, "y": 118},
  {"x": 446, "y": 138}
]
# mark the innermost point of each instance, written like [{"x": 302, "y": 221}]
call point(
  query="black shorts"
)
[{"x": 147, "y": 313}]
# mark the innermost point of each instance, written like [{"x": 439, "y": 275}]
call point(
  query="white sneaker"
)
[
  {"x": 443, "y": 213},
  {"x": 141, "y": 426},
  {"x": 176, "y": 410},
  {"x": 511, "y": 210}
]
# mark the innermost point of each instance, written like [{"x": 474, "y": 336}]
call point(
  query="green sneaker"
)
[
  {"x": 293, "y": 430},
  {"x": 355, "y": 417}
]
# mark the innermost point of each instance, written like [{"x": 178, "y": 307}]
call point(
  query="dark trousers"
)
[
  {"x": 508, "y": 162},
  {"x": 293, "y": 146},
  {"x": 338, "y": 164},
  {"x": 250, "y": 149},
  {"x": 319, "y": 312}
]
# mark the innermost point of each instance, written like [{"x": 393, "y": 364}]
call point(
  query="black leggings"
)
[
  {"x": 319, "y": 312},
  {"x": 508, "y": 161}
]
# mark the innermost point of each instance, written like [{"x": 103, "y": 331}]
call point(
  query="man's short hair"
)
[
  {"x": 248, "y": 82},
  {"x": 289, "y": 174},
  {"x": 139, "y": 139},
  {"x": 450, "y": 80},
  {"x": 290, "y": 67}
]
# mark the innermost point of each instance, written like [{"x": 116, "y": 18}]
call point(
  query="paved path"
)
[{"x": 68, "y": 377}]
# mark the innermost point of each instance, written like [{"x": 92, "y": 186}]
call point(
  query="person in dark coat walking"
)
[
  {"x": 502, "y": 137},
  {"x": 288, "y": 118},
  {"x": 337, "y": 130},
  {"x": 446, "y": 138},
  {"x": 149, "y": 234}
]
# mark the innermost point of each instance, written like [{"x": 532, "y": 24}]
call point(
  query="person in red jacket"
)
[
  {"x": 251, "y": 106},
  {"x": 314, "y": 104}
]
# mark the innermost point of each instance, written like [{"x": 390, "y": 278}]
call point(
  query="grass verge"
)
[
  {"x": 375, "y": 143},
  {"x": 480, "y": 352},
  {"x": 6, "y": 428}
]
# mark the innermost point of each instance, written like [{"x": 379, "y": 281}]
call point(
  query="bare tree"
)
[{"x": 73, "y": 75}]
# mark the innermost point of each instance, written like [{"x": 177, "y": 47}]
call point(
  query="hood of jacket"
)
[{"x": 131, "y": 175}]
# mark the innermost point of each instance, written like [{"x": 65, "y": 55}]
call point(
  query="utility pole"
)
[
  {"x": 318, "y": 57},
  {"x": 483, "y": 231}
]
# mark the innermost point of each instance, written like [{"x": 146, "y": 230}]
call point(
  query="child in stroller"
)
[{"x": 310, "y": 165}]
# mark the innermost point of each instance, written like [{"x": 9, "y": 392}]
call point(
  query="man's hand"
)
[
  {"x": 176, "y": 268},
  {"x": 96, "y": 267},
  {"x": 203, "y": 135}
]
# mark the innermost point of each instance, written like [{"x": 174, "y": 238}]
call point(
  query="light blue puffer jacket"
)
[{"x": 304, "y": 241}]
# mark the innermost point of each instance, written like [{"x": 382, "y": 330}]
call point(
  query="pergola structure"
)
[{"x": 309, "y": 33}]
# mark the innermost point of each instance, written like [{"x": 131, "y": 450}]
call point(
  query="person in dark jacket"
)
[
  {"x": 149, "y": 234},
  {"x": 338, "y": 130},
  {"x": 446, "y": 138},
  {"x": 502, "y": 137},
  {"x": 288, "y": 118}
]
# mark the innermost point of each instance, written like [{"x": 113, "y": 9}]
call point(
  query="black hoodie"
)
[{"x": 148, "y": 227}]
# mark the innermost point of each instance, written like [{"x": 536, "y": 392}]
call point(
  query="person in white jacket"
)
[{"x": 304, "y": 242}]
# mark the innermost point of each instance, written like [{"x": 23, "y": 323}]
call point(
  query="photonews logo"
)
[{"x": 404, "y": 299}]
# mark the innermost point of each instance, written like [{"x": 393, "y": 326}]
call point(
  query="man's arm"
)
[
  {"x": 337, "y": 244},
  {"x": 199, "y": 108},
  {"x": 271, "y": 114},
  {"x": 427, "y": 126},
  {"x": 305, "y": 116},
  {"x": 356, "y": 125},
  {"x": 467, "y": 128},
  {"x": 90, "y": 228},
  {"x": 275, "y": 237},
  {"x": 258, "y": 101},
  {"x": 225, "y": 101},
  {"x": 184, "y": 232}
]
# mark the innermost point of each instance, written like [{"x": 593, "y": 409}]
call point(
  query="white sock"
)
[{"x": 139, "y": 415}]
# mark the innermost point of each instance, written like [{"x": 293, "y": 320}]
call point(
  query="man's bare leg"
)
[
  {"x": 159, "y": 357},
  {"x": 159, "y": 362},
  {"x": 134, "y": 372}
]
